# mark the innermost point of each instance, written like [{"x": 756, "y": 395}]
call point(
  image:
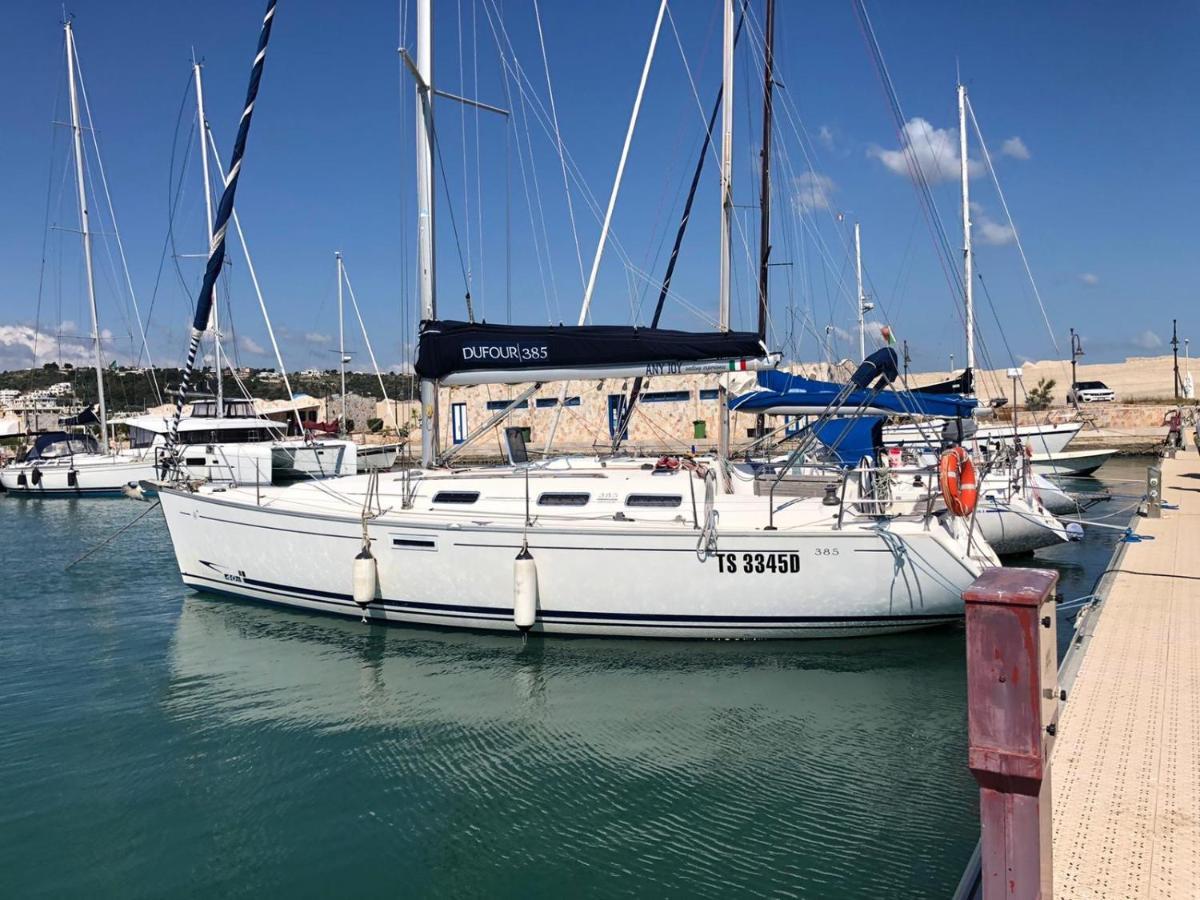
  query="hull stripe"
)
[{"x": 649, "y": 620}]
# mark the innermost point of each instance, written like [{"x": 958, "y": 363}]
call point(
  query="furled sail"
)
[
  {"x": 781, "y": 393},
  {"x": 457, "y": 353}
]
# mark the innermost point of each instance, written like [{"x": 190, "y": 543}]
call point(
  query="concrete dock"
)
[{"x": 1126, "y": 782}]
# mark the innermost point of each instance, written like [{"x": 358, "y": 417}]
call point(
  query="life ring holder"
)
[{"x": 958, "y": 481}]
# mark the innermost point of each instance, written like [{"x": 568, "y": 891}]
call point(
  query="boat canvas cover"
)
[
  {"x": 851, "y": 439},
  {"x": 781, "y": 392},
  {"x": 449, "y": 347}
]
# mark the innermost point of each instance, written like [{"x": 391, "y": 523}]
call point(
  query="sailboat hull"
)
[
  {"x": 106, "y": 475},
  {"x": 622, "y": 582}
]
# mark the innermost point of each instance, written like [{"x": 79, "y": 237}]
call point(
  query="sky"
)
[{"x": 1087, "y": 109}]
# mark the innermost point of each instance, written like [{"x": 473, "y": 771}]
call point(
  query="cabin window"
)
[
  {"x": 414, "y": 543},
  {"x": 654, "y": 501},
  {"x": 140, "y": 437},
  {"x": 666, "y": 396},
  {"x": 497, "y": 405},
  {"x": 456, "y": 496},
  {"x": 563, "y": 499}
]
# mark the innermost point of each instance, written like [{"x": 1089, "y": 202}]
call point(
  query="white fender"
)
[
  {"x": 525, "y": 590},
  {"x": 365, "y": 577}
]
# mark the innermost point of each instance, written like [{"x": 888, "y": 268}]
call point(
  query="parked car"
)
[{"x": 1091, "y": 392}]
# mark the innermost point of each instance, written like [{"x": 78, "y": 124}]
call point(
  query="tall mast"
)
[
  {"x": 764, "y": 221},
  {"x": 968, "y": 287},
  {"x": 862, "y": 298},
  {"x": 215, "y": 321},
  {"x": 726, "y": 232},
  {"x": 85, "y": 232},
  {"x": 426, "y": 285},
  {"x": 341, "y": 340}
]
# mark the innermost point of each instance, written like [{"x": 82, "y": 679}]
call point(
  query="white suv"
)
[{"x": 1091, "y": 392}]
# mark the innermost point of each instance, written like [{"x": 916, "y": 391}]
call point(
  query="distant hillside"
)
[{"x": 128, "y": 390}]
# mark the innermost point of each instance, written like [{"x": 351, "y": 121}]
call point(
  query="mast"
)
[
  {"x": 726, "y": 233},
  {"x": 341, "y": 341},
  {"x": 426, "y": 285},
  {"x": 862, "y": 299},
  {"x": 216, "y": 252},
  {"x": 968, "y": 287},
  {"x": 85, "y": 232},
  {"x": 764, "y": 220},
  {"x": 215, "y": 321}
]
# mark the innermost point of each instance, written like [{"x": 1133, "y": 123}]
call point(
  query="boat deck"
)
[{"x": 1126, "y": 778}]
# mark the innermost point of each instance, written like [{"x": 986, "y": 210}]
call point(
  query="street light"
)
[{"x": 1076, "y": 352}]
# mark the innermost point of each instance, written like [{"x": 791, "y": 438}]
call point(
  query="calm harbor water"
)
[{"x": 158, "y": 742}]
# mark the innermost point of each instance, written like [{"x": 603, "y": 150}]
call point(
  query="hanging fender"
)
[
  {"x": 957, "y": 479},
  {"x": 36, "y": 476}
]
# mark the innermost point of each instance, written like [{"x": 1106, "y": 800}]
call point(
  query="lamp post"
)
[
  {"x": 907, "y": 360},
  {"x": 1076, "y": 352},
  {"x": 1015, "y": 375},
  {"x": 951, "y": 365},
  {"x": 1175, "y": 352}
]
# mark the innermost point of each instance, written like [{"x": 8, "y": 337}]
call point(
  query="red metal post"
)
[{"x": 1012, "y": 707}]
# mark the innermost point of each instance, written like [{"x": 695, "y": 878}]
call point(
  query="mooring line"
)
[{"x": 114, "y": 535}]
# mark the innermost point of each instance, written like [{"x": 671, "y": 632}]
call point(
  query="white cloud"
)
[
  {"x": 934, "y": 150},
  {"x": 989, "y": 231},
  {"x": 249, "y": 345},
  {"x": 812, "y": 190},
  {"x": 1015, "y": 147},
  {"x": 22, "y": 347},
  {"x": 1089, "y": 278},
  {"x": 315, "y": 337},
  {"x": 825, "y": 136},
  {"x": 1147, "y": 340},
  {"x": 401, "y": 368}
]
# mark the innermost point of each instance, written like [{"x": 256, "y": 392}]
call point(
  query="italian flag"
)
[{"x": 888, "y": 338}]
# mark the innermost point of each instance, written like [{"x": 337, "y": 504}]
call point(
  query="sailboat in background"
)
[{"x": 66, "y": 463}]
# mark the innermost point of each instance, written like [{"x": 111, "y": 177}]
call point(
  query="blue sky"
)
[{"x": 1100, "y": 181}]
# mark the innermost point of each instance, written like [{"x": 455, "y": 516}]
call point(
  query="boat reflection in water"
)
[{"x": 720, "y": 766}]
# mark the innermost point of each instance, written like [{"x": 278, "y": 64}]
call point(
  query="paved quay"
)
[{"x": 1126, "y": 767}]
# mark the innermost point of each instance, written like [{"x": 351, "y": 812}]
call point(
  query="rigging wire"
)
[
  {"x": 112, "y": 214},
  {"x": 537, "y": 14}
]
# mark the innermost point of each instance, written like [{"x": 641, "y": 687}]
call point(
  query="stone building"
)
[{"x": 674, "y": 414}]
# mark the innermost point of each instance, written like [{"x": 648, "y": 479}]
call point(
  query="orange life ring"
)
[{"x": 956, "y": 476}]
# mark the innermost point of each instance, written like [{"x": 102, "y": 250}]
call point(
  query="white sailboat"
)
[
  {"x": 591, "y": 546},
  {"x": 61, "y": 463}
]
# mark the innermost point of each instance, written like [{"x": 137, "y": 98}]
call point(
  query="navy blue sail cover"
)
[
  {"x": 778, "y": 390},
  {"x": 851, "y": 439},
  {"x": 448, "y": 347}
]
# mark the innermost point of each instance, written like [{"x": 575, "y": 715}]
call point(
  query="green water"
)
[{"x": 158, "y": 742}]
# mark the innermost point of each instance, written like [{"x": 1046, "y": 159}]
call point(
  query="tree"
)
[
  {"x": 51, "y": 367},
  {"x": 1040, "y": 397}
]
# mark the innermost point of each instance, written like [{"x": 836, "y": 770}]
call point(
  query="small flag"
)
[{"x": 888, "y": 338}]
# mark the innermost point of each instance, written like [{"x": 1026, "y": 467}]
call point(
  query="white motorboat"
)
[
  {"x": 1071, "y": 462},
  {"x": 1044, "y": 439},
  {"x": 241, "y": 447}
]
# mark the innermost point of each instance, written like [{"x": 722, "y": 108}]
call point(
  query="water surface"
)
[{"x": 158, "y": 742}]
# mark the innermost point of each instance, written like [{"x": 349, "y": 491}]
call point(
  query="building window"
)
[
  {"x": 563, "y": 499},
  {"x": 497, "y": 405},
  {"x": 456, "y": 496},
  {"x": 709, "y": 393},
  {"x": 550, "y": 402},
  {"x": 666, "y": 396},
  {"x": 655, "y": 501}
]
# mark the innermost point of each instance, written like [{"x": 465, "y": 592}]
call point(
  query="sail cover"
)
[
  {"x": 783, "y": 394},
  {"x": 476, "y": 353},
  {"x": 963, "y": 384},
  {"x": 851, "y": 439}
]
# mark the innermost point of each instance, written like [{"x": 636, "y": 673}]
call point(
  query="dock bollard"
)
[{"x": 1012, "y": 717}]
